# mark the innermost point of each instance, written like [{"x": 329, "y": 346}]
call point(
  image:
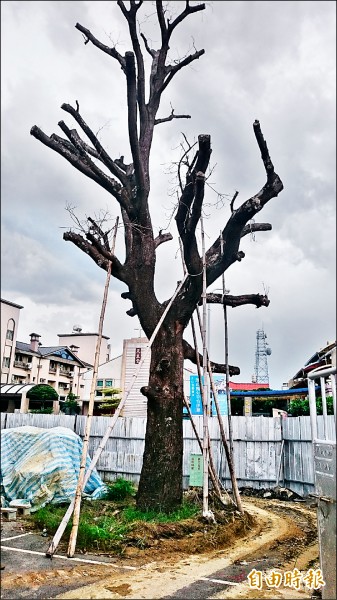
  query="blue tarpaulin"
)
[{"x": 42, "y": 466}]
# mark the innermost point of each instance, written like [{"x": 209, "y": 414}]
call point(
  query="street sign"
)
[
  {"x": 196, "y": 470},
  {"x": 195, "y": 395}
]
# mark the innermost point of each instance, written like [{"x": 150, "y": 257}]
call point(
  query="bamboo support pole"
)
[
  {"x": 229, "y": 457},
  {"x": 58, "y": 535},
  {"x": 80, "y": 482},
  {"x": 205, "y": 403},
  {"x": 215, "y": 478},
  {"x": 212, "y": 471},
  {"x": 211, "y": 466},
  {"x": 228, "y": 397}
]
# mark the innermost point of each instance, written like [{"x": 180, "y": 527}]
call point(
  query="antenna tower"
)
[{"x": 261, "y": 374}]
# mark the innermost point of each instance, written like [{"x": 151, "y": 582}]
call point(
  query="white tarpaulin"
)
[{"x": 42, "y": 466}]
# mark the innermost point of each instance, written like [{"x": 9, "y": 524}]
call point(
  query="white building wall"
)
[
  {"x": 10, "y": 314},
  {"x": 86, "y": 343},
  {"x": 110, "y": 370}
]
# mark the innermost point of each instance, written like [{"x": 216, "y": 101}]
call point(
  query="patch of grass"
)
[
  {"x": 186, "y": 511},
  {"x": 48, "y": 517},
  {"x": 120, "y": 489},
  {"x": 103, "y": 532},
  {"x": 106, "y": 527}
]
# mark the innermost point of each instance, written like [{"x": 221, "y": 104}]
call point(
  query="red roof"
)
[{"x": 247, "y": 386}]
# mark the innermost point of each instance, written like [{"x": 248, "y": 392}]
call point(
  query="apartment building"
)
[{"x": 10, "y": 315}]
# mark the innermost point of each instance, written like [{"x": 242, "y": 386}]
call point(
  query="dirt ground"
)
[{"x": 273, "y": 534}]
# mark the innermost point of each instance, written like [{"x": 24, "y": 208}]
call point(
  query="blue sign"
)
[
  {"x": 195, "y": 395},
  {"x": 196, "y": 400}
]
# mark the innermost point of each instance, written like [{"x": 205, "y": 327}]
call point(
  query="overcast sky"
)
[{"x": 271, "y": 61}]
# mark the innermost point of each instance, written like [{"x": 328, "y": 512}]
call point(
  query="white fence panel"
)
[{"x": 257, "y": 447}]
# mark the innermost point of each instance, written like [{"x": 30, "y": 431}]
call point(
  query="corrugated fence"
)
[{"x": 260, "y": 456}]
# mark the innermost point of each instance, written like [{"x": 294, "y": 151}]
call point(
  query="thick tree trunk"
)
[{"x": 160, "y": 485}]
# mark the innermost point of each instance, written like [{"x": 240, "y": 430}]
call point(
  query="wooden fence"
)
[{"x": 260, "y": 455}]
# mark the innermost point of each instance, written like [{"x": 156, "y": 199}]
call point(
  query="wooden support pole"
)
[
  {"x": 61, "y": 528},
  {"x": 229, "y": 457},
  {"x": 211, "y": 467},
  {"x": 228, "y": 397},
  {"x": 80, "y": 482},
  {"x": 205, "y": 403}
]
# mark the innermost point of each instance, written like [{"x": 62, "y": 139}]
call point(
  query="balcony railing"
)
[
  {"x": 22, "y": 364},
  {"x": 52, "y": 370},
  {"x": 66, "y": 373}
]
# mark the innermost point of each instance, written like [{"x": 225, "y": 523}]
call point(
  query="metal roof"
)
[
  {"x": 291, "y": 392},
  {"x": 16, "y": 388}
]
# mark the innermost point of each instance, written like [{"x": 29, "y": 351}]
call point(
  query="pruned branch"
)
[
  {"x": 102, "y": 234},
  {"x": 236, "y": 226},
  {"x": 172, "y": 116},
  {"x": 151, "y": 51},
  {"x": 173, "y": 69},
  {"x": 132, "y": 116},
  {"x": 97, "y": 252},
  {"x": 130, "y": 16},
  {"x": 189, "y": 10},
  {"x": 162, "y": 238},
  {"x": 74, "y": 157},
  {"x": 190, "y": 204},
  {"x": 257, "y": 300},
  {"x": 268, "y": 165},
  {"x": 233, "y": 200},
  {"x": 103, "y": 155},
  {"x": 94, "y": 168},
  {"x": 190, "y": 354},
  {"x": 161, "y": 21},
  {"x": 110, "y": 51},
  {"x": 253, "y": 227}
]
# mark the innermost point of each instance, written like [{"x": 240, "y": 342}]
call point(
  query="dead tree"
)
[{"x": 160, "y": 485}]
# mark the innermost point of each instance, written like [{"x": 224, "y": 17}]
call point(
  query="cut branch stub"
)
[
  {"x": 190, "y": 354},
  {"x": 257, "y": 300}
]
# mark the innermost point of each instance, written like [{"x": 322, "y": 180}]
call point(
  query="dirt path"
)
[{"x": 285, "y": 536}]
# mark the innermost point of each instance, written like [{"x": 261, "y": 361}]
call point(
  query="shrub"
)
[
  {"x": 120, "y": 489},
  {"x": 48, "y": 410},
  {"x": 300, "y": 406}
]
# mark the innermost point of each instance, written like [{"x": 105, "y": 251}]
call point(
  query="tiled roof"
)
[
  {"x": 47, "y": 351},
  {"x": 25, "y": 348}
]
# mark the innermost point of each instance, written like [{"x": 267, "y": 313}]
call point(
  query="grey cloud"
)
[{"x": 266, "y": 60}]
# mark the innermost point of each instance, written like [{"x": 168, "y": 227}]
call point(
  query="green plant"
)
[
  {"x": 70, "y": 406},
  {"x": 101, "y": 532},
  {"x": 300, "y": 406},
  {"x": 111, "y": 399},
  {"x": 185, "y": 511},
  {"x": 47, "y": 410},
  {"x": 120, "y": 489},
  {"x": 42, "y": 393}
]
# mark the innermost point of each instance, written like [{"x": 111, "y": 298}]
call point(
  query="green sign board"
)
[{"x": 196, "y": 470}]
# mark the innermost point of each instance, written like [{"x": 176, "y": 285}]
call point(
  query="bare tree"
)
[{"x": 160, "y": 485}]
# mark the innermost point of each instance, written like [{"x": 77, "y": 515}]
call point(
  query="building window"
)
[
  {"x": 99, "y": 383},
  {"x": 10, "y": 329},
  {"x": 108, "y": 383},
  {"x": 6, "y": 361}
]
